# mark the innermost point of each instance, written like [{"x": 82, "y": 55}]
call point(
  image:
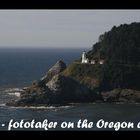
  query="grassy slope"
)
[{"x": 87, "y": 74}]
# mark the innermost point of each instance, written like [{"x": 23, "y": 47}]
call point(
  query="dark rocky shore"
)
[{"x": 56, "y": 89}]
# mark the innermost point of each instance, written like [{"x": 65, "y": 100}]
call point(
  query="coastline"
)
[{"x": 15, "y": 93}]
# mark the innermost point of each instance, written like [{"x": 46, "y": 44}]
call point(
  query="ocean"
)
[{"x": 19, "y": 67}]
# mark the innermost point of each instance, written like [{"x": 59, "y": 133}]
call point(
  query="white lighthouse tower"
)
[{"x": 84, "y": 59}]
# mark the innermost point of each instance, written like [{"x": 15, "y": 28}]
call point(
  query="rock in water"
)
[
  {"x": 54, "y": 89},
  {"x": 38, "y": 92},
  {"x": 56, "y": 69},
  {"x": 60, "y": 90}
]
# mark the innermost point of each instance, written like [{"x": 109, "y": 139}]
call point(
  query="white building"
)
[
  {"x": 92, "y": 62},
  {"x": 84, "y": 59},
  {"x": 101, "y": 62}
]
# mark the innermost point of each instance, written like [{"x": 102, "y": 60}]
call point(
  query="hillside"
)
[
  {"x": 120, "y": 49},
  {"x": 89, "y": 75}
]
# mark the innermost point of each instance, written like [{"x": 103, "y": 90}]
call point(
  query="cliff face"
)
[{"x": 67, "y": 90}]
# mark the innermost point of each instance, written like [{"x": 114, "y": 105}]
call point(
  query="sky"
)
[{"x": 59, "y": 28}]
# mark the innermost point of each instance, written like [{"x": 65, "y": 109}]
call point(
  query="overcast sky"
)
[{"x": 59, "y": 28}]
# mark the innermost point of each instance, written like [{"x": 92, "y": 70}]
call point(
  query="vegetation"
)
[
  {"x": 120, "y": 48},
  {"x": 87, "y": 74},
  {"x": 120, "y": 45}
]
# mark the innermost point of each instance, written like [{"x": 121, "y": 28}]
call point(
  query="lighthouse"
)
[{"x": 84, "y": 59}]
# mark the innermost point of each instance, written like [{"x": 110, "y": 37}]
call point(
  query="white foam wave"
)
[
  {"x": 2, "y": 105},
  {"x": 50, "y": 107},
  {"x": 15, "y": 94},
  {"x": 14, "y": 90},
  {"x": 43, "y": 107}
]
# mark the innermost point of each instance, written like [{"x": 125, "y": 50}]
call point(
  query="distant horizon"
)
[
  {"x": 59, "y": 28},
  {"x": 43, "y": 47}
]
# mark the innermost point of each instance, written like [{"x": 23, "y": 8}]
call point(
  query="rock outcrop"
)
[
  {"x": 68, "y": 90},
  {"x": 56, "y": 69},
  {"x": 54, "y": 89},
  {"x": 121, "y": 95}
]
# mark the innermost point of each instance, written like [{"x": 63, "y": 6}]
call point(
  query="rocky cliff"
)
[
  {"x": 56, "y": 69},
  {"x": 54, "y": 89},
  {"x": 121, "y": 95},
  {"x": 120, "y": 50}
]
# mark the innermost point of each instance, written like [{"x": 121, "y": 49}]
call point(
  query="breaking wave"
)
[
  {"x": 2, "y": 105},
  {"x": 14, "y": 94}
]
